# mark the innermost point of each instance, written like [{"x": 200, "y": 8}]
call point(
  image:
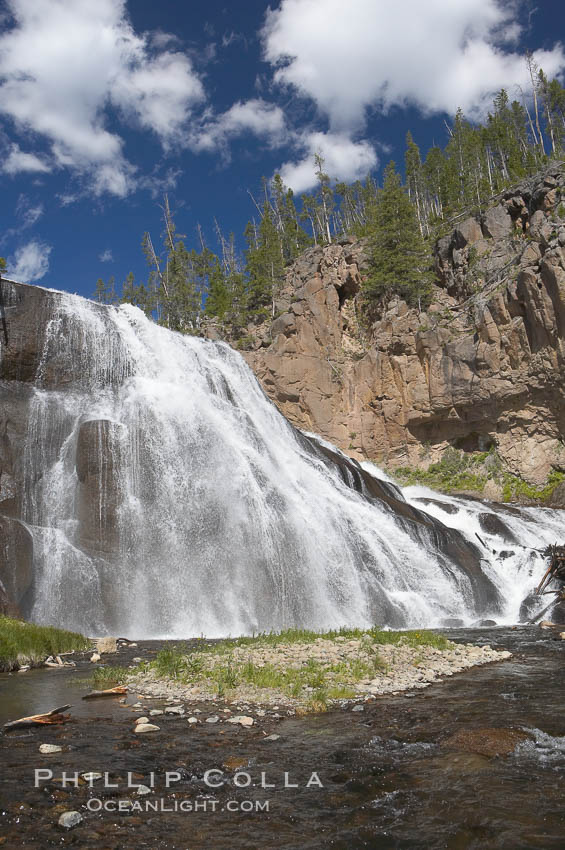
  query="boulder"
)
[
  {"x": 468, "y": 232},
  {"x": 497, "y": 223}
]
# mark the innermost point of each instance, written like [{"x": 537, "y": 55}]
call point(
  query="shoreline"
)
[
  {"x": 307, "y": 676},
  {"x": 387, "y": 764}
]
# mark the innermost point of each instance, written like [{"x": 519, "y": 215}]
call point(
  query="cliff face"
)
[{"x": 483, "y": 366}]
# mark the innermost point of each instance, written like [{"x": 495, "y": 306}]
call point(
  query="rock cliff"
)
[{"x": 481, "y": 367}]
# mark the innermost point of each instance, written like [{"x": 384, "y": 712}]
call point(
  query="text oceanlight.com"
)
[{"x": 95, "y": 804}]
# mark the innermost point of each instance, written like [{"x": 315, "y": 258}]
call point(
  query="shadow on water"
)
[{"x": 447, "y": 767}]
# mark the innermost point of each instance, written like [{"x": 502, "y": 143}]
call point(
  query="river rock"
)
[
  {"x": 241, "y": 719},
  {"x": 488, "y": 742},
  {"x": 142, "y": 790},
  {"x": 50, "y": 748},
  {"x": 91, "y": 776},
  {"x": 145, "y": 727},
  {"x": 106, "y": 645},
  {"x": 69, "y": 820},
  {"x": 95, "y": 657}
]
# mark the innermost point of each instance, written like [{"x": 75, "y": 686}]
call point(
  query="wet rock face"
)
[
  {"x": 481, "y": 367},
  {"x": 455, "y": 548},
  {"x": 101, "y": 454},
  {"x": 27, "y": 313},
  {"x": 16, "y": 567}
]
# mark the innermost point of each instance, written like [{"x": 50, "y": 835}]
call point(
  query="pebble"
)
[
  {"x": 95, "y": 657},
  {"x": 146, "y": 727},
  {"x": 273, "y": 737},
  {"x": 50, "y": 748},
  {"x": 192, "y": 720},
  {"x": 358, "y": 708},
  {"x": 70, "y": 819},
  {"x": 155, "y": 712},
  {"x": 241, "y": 719},
  {"x": 142, "y": 790},
  {"x": 174, "y": 709},
  {"x": 141, "y": 720},
  {"x": 213, "y": 719},
  {"x": 91, "y": 777}
]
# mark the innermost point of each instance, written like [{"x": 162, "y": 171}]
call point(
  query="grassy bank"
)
[
  {"x": 460, "y": 471},
  {"x": 25, "y": 643},
  {"x": 310, "y": 669}
]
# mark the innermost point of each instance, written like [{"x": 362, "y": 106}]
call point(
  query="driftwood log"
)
[
  {"x": 109, "y": 692},
  {"x": 50, "y": 718},
  {"x": 556, "y": 568}
]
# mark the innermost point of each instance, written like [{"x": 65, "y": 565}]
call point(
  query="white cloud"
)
[
  {"x": 160, "y": 93},
  {"x": 64, "y": 62},
  {"x": 106, "y": 256},
  {"x": 256, "y": 116},
  {"x": 28, "y": 213},
  {"x": 30, "y": 262},
  {"x": 437, "y": 55},
  {"x": 344, "y": 160},
  {"x": 17, "y": 161}
]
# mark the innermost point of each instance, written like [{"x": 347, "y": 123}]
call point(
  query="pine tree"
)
[
  {"x": 399, "y": 259},
  {"x": 105, "y": 293},
  {"x": 413, "y": 170},
  {"x": 264, "y": 266}
]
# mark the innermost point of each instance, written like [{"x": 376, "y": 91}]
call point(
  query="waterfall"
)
[{"x": 167, "y": 497}]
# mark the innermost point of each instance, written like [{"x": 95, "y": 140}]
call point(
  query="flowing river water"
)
[{"x": 415, "y": 770}]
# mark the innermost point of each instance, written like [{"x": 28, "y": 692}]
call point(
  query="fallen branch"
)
[
  {"x": 120, "y": 690},
  {"x": 50, "y": 718}
]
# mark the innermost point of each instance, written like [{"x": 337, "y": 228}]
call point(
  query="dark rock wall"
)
[{"x": 482, "y": 366}]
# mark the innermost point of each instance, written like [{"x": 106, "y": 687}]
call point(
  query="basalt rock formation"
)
[{"x": 482, "y": 366}]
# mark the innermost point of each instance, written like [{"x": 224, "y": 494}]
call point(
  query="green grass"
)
[
  {"x": 106, "y": 677},
  {"x": 290, "y": 636},
  {"x": 458, "y": 470},
  {"x": 515, "y": 489},
  {"x": 315, "y": 684},
  {"x": 25, "y": 643}
]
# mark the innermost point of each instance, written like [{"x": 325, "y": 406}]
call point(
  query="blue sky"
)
[{"x": 106, "y": 105}]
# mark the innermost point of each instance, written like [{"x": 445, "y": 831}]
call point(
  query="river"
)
[{"x": 415, "y": 770}]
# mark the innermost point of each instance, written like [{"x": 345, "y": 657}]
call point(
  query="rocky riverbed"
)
[
  {"x": 474, "y": 761},
  {"x": 338, "y": 668}
]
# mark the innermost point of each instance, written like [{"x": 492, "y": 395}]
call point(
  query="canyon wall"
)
[{"x": 482, "y": 366}]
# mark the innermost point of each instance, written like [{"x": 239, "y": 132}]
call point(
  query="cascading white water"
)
[{"x": 168, "y": 497}]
